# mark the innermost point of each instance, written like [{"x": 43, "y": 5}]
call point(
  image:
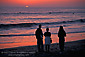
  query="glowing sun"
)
[{"x": 26, "y": 6}]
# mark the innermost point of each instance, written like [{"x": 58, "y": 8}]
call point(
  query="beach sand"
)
[{"x": 72, "y": 49}]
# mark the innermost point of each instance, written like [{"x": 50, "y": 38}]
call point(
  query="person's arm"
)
[
  {"x": 41, "y": 33},
  {"x": 64, "y": 33},
  {"x": 58, "y": 34},
  {"x": 50, "y": 34},
  {"x": 35, "y": 32},
  {"x": 44, "y": 34}
]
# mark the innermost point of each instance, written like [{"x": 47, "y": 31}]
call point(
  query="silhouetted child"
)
[
  {"x": 47, "y": 35},
  {"x": 61, "y": 35}
]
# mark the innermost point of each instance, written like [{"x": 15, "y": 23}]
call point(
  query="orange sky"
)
[{"x": 42, "y": 3}]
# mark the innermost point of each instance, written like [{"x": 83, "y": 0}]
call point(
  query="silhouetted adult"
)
[
  {"x": 39, "y": 37},
  {"x": 61, "y": 35},
  {"x": 47, "y": 35}
]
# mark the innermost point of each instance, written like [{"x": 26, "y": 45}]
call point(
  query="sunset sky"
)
[{"x": 42, "y": 3}]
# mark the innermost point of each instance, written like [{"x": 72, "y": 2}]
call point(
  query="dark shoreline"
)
[{"x": 72, "y": 49}]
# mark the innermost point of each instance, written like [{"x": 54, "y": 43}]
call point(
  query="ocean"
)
[{"x": 18, "y": 24}]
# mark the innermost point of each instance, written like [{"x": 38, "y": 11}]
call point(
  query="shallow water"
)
[{"x": 18, "y": 25}]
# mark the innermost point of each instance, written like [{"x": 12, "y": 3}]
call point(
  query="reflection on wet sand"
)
[{"x": 16, "y": 41}]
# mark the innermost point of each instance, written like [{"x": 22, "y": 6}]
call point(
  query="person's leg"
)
[
  {"x": 38, "y": 45},
  {"x": 46, "y": 48},
  {"x": 42, "y": 46},
  {"x": 62, "y": 46}
]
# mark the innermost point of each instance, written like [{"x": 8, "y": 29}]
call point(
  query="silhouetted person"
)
[
  {"x": 47, "y": 35},
  {"x": 39, "y": 37},
  {"x": 61, "y": 35},
  {"x": 73, "y": 13}
]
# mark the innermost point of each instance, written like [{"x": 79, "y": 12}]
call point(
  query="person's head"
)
[
  {"x": 40, "y": 26},
  {"x": 47, "y": 29},
  {"x": 61, "y": 27}
]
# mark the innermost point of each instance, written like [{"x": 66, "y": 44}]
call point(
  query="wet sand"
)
[{"x": 72, "y": 49}]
